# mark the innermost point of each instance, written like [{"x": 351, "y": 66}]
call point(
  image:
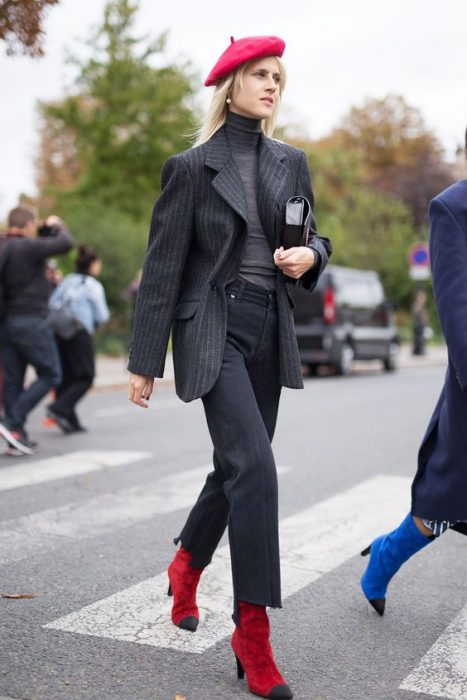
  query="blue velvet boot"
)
[{"x": 387, "y": 554}]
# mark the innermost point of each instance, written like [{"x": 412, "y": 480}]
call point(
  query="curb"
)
[{"x": 112, "y": 375}]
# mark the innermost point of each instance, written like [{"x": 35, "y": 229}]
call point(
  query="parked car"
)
[{"x": 347, "y": 317}]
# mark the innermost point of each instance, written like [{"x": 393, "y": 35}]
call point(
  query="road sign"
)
[{"x": 419, "y": 261}]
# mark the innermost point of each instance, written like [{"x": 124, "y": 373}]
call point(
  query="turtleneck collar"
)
[{"x": 236, "y": 122}]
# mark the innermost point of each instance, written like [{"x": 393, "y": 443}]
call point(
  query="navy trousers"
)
[{"x": 241, "y": 412}]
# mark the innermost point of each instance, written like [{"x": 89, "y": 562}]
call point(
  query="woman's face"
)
[
  {"x": 257, "y": 97},
  {"x": 95, "y": 268}
]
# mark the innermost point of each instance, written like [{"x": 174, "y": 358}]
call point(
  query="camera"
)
[{"x": 45, "y": 230}]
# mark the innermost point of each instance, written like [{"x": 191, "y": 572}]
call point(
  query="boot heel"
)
[
  {"x": 366, "y": 551},
  {"x": 240, "y": 671},
  {"x": 169, "y": 592}
]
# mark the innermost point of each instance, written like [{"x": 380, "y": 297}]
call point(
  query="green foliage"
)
[
  {"x": 104, "y": 145},
  {"x": 373, "y": 177},
  {"x": 125, "y": 117},
  {"x": 369, "y": 229},
  {"x": 119, "y": 240}
]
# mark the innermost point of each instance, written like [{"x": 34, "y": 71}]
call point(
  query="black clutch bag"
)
[{"x": 298, "y": 217}]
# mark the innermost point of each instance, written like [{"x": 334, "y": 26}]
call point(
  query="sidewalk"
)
[{"x": 111, "y": 371}]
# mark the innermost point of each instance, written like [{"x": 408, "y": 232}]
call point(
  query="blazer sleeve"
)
[
  {"x": 448, "y": 255},
  {"x": 321, "y": 246},
  {"x": 169, "y": 240}
]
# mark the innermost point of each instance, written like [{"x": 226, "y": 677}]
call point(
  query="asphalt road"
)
[{"x": 91, "y": 535}]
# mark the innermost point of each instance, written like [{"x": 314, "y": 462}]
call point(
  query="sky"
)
[{"x": 338, "y": 53}]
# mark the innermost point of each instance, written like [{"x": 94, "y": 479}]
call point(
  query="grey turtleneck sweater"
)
[{"x": 257, "y": 265}]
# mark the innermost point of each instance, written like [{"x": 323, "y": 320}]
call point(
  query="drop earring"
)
[{"x": 228, "y": 100}]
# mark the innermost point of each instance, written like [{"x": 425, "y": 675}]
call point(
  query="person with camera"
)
[{"x": 25, "y": 334}]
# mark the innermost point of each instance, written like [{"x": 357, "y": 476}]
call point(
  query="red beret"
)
[{"x": 244, "y": 50}]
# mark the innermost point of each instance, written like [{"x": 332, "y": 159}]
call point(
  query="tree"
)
[
  {"x": 21, "y": 25},
  {"x": 103, "y": 146},
  {"x": 370, "y": 229},
  {"x": 401, "y": 155},
  {"x": 123, "y": 120}
]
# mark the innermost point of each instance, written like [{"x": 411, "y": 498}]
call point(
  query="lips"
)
[{"x": 269, "y": 100}]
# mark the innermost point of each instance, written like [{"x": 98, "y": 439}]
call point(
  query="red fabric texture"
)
[
  {"x": 243, "y": 50},
  {"x": 184, "y": 581},
  {"x": 251, "y": 645}
]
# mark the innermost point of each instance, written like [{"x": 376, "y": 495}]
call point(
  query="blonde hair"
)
[{"x": 217, "y": 112}]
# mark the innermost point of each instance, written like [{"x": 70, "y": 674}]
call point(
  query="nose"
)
[{"x": 272, "y": 87}]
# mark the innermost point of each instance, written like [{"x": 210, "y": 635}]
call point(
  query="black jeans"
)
[
  {"x": 241, "y": 412},
  {"x": 27, "y": 340},
  {"x": 78, "y": 370}
]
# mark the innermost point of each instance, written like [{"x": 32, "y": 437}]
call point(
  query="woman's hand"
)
[
  {"x": 294, "y": 262},
  {"x": 140, "y": 389}
]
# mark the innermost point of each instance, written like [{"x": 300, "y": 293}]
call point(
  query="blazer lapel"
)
[
  {"x": 272, "y": 176},
  {"x": 227, "y": 182}
]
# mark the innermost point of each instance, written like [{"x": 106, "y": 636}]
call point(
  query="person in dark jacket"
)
[
  {"x": 25, "y": 334},
  {"x": 217, "y": 274},
  {"x": 439, "y": 490}
]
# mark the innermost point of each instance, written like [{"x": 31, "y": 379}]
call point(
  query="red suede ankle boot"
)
[
  {"x": 183, "y": 581},
  {"x": 252, "y": 649}
]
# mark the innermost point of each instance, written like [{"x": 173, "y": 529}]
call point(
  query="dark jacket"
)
[
  {"x": 196, "y": 242},
  {"x": 25, "y": 287},
  {"x": 440, "y": 487}
]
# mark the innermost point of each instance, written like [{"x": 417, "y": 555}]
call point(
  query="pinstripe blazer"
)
[{"x": 196, "y": 241}]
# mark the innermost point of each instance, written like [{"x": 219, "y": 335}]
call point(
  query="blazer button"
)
[{"x": 213, "y": 286}]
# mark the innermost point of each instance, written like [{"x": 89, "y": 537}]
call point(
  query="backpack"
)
[{"x": 61, "y": 318}]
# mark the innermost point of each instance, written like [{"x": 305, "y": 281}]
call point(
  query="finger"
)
[
  {"x": 285, "y": 254},
  {"x": 136, "y": 396}
]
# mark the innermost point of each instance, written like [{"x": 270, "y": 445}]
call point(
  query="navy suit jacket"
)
[
  {"x": 196, "y": 242},
  {"x": 439, "y": 490}
]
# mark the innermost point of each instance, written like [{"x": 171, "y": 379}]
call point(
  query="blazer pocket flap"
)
[{"x": 186, "y": 309}]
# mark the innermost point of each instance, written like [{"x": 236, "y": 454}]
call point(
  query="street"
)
[{"x": 87, "y": 524}]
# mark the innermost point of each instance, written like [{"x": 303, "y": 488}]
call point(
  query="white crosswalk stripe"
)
[
  {"x": 313, "y": 543},
  {"x": 442, "y": 672},
  {"x": 66, "y": 465},
  {"x": 34, "y": 534}
]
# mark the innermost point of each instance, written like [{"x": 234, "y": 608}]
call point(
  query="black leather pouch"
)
[{"x": 298, "y": 217}]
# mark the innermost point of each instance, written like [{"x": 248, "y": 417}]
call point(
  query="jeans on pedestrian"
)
[
  {"x": 27, "y": 340},
  {"x": 241, "y": 411}
]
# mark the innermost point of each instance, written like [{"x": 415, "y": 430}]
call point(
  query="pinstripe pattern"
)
[{"x": 196, "y": 242}]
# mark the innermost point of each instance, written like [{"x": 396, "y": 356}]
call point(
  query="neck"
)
[{"x": 241, "y": 123}]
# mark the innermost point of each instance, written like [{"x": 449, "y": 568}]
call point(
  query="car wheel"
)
[
  {"x": 312, "y": 370},
  {"x": 344, "y": 364},
  {"x": 390, "y": 362}
]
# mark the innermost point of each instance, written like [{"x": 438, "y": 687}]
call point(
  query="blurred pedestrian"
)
[
  {"x": 439, "y": 490},
  {"x": 53, "y": 274},
  {"x": 26, "y": 336},
  {"x": 420, "y": 322},
  {"x": 85, "y": 297},
  {"x": 216, "y": 270}
]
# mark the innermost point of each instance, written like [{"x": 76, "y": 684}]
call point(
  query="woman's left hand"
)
[{"x": 294, "y": 262}]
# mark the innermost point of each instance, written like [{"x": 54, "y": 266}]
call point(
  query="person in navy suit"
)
[{"x": 439, "y": 490}]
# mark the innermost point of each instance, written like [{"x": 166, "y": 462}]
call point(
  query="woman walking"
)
[
  {"x": 84, "y": 295},
  {"x": 215, "y": 270},
  {"x": 439, "y": 490}
]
